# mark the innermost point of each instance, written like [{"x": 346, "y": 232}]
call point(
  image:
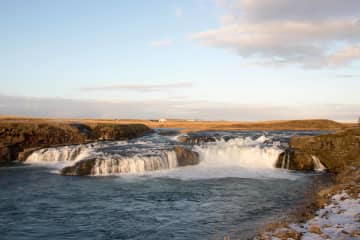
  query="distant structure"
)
[{"x": 162, "y": 120}]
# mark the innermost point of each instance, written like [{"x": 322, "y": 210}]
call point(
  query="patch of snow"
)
[{"x": 338, "y": 220}]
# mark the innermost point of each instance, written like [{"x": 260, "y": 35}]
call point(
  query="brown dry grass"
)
[{"x": 186, "y": 126}]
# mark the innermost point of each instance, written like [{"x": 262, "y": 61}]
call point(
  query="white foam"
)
[
  {"x": 61, "y": 156},
  {"x": 239, "y": 157},
  {"x": 134, "y": 165},
  {"x": 239, "y": 152},
  {"x": 318, "y": 166}
]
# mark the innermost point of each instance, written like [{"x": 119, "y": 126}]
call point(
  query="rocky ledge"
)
[
  {"x": 336, "y": 151},
  {"x": 194, "y": 140},
  {"x": 19, "y": 139},
  {"x": 335, "y": 212}
]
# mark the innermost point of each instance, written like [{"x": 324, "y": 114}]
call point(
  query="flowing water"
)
[{"x": 137, "y": 190}]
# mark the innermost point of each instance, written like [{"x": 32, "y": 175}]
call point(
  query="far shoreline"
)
[{"x": 199, "y": 125}]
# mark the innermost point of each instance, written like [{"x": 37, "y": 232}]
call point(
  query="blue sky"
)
[{"x": 190, "y": 59}]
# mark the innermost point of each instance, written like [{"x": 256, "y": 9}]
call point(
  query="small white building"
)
[{"x": 161, "y": 120}]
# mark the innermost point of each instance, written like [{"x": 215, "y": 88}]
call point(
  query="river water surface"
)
[{"x": 232, "y": 192}]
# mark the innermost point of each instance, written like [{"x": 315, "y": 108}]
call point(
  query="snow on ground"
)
[{"x": 339, "y": 220}]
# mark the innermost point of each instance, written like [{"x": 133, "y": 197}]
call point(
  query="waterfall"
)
[
  {"x": 285, "y": 161},
  {"x": 318, "y": 166},
  {"x": 59, "y": 154},
  {"x": 129, "y": 158},
  {"x": 135, "y": 164},
  {"x": 240, "y": 152},
  {"x": 105, "y": 164}
]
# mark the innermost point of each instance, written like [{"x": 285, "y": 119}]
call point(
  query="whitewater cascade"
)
[
  {"x": 105, "y": 164},
  {"x": 59, "y": 154},
  {"x": 318, "y": 166},
  {"x": 239, "y": 152},
  {"x": 285, "y": 162},
  {"x": 136, "y": 164},
  {"x": 243, "y": 152}
]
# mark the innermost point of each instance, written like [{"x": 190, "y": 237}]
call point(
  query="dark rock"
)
[
  {"x": 196, "y": 139},
  {"x": 81, "y": 168},
  {"x": 166, "y": 132},
  {"x": 186, "y": 157},
  {"x": 295, "y": 160},
  {"x": 111, "y": 132},
  {"x": 84, "y": 129},
  {"x": 16, "y": 137},
  {"x": 8, "y": 153},
  {"x": 335, "y": 151},
  {"x": 5, "y": 155}
]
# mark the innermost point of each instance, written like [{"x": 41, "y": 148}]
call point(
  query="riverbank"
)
[
  {"x": 18, "y": 139},
  {"x": 335, "y": 212}
]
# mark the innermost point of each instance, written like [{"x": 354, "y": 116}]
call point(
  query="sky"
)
[{"x": 194, "y": 59}]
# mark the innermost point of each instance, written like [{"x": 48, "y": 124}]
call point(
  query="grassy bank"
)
[
  {"x": 340, "y": 153},
  {"x": 192, "y": 125}
]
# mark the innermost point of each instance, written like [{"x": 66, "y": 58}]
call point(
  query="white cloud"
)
[
  {"x": 171, "y": 108},
  {"x": 139, "y": 87},
  {"x": 179, "y": 12},
  {"x": 260, "y": 10},
  {"x": 289, "y": 32},
  {"x": 161, "y": 43},
  {"x": 345, "y": 55}
]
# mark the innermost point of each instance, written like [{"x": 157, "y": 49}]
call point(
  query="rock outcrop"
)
[
  {"x": 6, "y": 154},
  {"x": 295, "y": 160},
  {"x": 186, "y": 157},
  {"x": 19, "y": 139},
  {"x": 112, "y": 132},
  {"x": 196, "y": 139},
  {"x": 81, "y": 168},
  {"x": 167, "y": 132},
  {"x": 336, "y": 151},
  {"x": 340, "y": 153}
]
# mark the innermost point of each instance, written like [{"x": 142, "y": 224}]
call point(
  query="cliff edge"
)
[{"x": 19, "y": 139}]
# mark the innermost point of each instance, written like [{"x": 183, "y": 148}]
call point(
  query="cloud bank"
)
[
  {"x": 170, "y": 108},
  {"x": 139, "y": 87},
  {"x": 306, "y": 33}
]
